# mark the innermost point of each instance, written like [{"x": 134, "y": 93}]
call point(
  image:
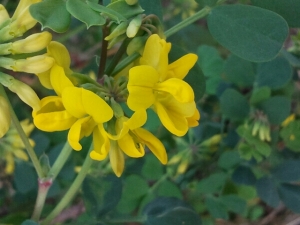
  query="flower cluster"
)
[{"x": 87, "y": 107}]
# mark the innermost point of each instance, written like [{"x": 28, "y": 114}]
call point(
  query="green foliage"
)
[
  {"x": 248, "y": 31},
  {"x": 47, "y": 12},
  {"x": 291, "y": 135}
]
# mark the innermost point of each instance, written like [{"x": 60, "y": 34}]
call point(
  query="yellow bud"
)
[
  {"x": 3, "y": 15},
  {"x": 4, "y": 116},
  {"x": 33, "y": 43},
  {"x": 183, "y": 166},
  {"x": 36, "y": 64},
  {"x": 289, "y": 119},
  {"x": 134, "y": 26},
  {"x": 131, "y": 2},
  {"x": 214, "y": 140},
  {"x": 25, "y": 93},
  {"x": 136, "y": 45},
  {"x": 23, "y": 5},
  {"x": 118, "y": 111}
]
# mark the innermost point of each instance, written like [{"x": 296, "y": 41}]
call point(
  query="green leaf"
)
[
  {"x": 243, "y": 175},
  {"x": 152, "y": 168},
  {"x": 288, "y": 9},
  {"x": 152, "y": 7},
  {"x": 212, "y": 184},
  {"x": 211, "y": 65},
  {"x": 260, "y": 94},
  {"x": 229, "y": 159},
  {"x": 101, "y": 195},
  {"x": 81, "y": 11},
  {"x": 291, "y": 135},
  {"x": 252, "y": 33},
  {"x": 166, "y": 211},
  {"x": 216, "y": 208},
  {"x": 290, "y": 195},
  {"x": 234, "y": 203},
  {"x": 203, "y": 3},
  {"x": 29, "y": 222},
  {"x": 288, "y": 171},
  {"x": 274, "y": 74},
  {"x": 239, "y": 71},
  {"x": 169, "y": 189},
  {"x": 25, "y": 177},
  {"x": 52, "y": 14},
  {"x": 267, "y": 191},
  {"x": 195, "y": 77},
  {"x": 277, "y": 109},
  {"x": 234, "y": 106}
]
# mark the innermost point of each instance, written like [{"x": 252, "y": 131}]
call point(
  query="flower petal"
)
[
  {"x": 131, "y": 147},
  {"x": 180, "y": 68},
  {"x": 116, "y": 157},
  {"x": 80, "y": 102},
  {"x": 156, "y": 54},
  {"x": 180, "y": 90},
  {"x": 60, "y": 54},
  {"x": 142, "y": 79},
  {"x": 81, "y": 128},
  {"x": 153, "y": 143},
  {"x": 101, "y": 143},
  {"x": 193, "y": 120},
  {"x": 52, "y": 116},
  {"x": 59, "y": 80}
]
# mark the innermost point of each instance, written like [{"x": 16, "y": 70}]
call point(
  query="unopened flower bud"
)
[
  {"x": 136, "y": 45},
  {"x": 118, "y": 111},
  {"x": 33, "y": 43},
  {"x": 119, "y": 30},
  {"x": 134, "y": 26},
  {"x": 116, "y": 40},
  {"x": 23, "y": 5},
  {"x": 4, "y": 116},
  {"x": 36, "y": 64},
  {"x": 25, "y": 93},
  {"x": 3, "y": 15},
  {"x": 131, "y": 2}
]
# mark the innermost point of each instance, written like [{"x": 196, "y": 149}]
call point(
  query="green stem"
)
[
  {"x": 198, "y": 15},
  {"x": 125, "y": 62},
  {"x": 71, "y": 192},
  {"x": 23, "y": 136},
  {"x": 157, "y": 183},
  {"x": 103, "y": 57},
  {"x": 117, "y": 57},
  {"x": 44, "y": 186},
  {"x": 60, "y": 161}
]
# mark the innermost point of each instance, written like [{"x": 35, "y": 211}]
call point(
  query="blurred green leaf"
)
[
  {"x": 101, "y": 194},
  {"x": 47, "y": 13},
  {"x": 252, "y": 33},
  {"x": 288, "y": 9},
  {"x": 243, "y": 175},
  {"x": 211, "y": 65},
  {"x": 166, "y": 211},
  {"x": 216, "y": 208},
  {"x": 291, "y": 135},
  {"x": 152, "y": 7},
  {"x": 29, "y": 222},
  {"x": 267, "y": 190},
  {"x": 260, "y": 94},
  {"x": 290, "y": 195},
  {"x": 203, "y": 3},
  {"x": 152, "y": 168},
  {"x": 239, "y": 71},
  {"x": 229, "y": 159},
  {"x": 212, "y": 183},
  {"x": 234, "y": 203},
  {"x": 25, "y": 177},
  {"x": 169, "y": 189},
  {"x": 234, "y": 105},
  {"x": 288, "y": 171},
  {"x": 42, "y": 143},
  {"x": 274, "y": 74},
  {"x": 81, "y": 11},
  {"x": 277, "y": 109}
]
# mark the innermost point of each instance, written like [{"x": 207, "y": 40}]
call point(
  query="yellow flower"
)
[
  {"x": 289, "y": 119},
  {"x": 11, "y": 146},
  {"x": 4, "y": 17},
  {"x": 130, "y": 139},
  {"x": 61, "y": 57},
  {"x": 52, "y": 116},
  {"x": 4, "y": 116},
  {"x": 160, "y": 85}
]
